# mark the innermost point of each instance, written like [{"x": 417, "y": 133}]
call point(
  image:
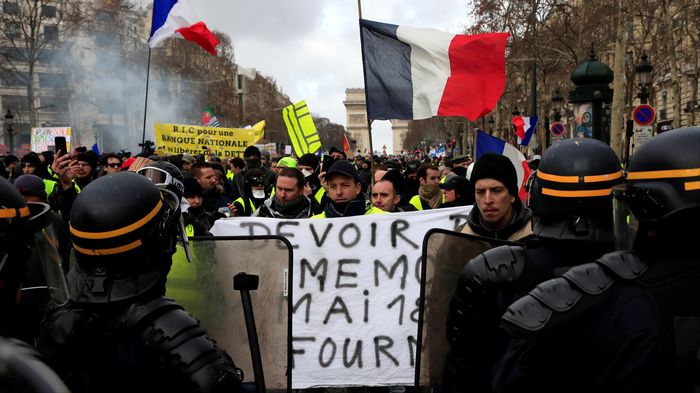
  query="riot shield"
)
[
  {"x": 444, "y": 254},
  {"x": 205, "y": 288}
]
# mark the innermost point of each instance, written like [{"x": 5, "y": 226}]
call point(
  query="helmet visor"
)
[
  {"x": 173, "y": 212},
  {"x": 46, "y": 246},
  {"x": 625, "y": 223},
  {"x": 161, "y": 178}
]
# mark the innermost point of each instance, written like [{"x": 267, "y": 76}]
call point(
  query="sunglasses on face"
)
[{"x": 114, "y": 165}]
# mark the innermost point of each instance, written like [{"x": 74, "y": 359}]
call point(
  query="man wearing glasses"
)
[
  {"x": 85, "y": 168},
  {"x": 111, "y": 163}
]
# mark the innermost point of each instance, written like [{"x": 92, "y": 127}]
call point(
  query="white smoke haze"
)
[{"x": 107, "y": 74}]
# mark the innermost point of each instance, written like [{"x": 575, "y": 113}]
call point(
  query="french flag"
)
[
  {"x": 486, "y": 143},
  {"x": 417, "y": 73},
  {"x": 175, "y": 18},
  {"x": 524, "y": 128}
]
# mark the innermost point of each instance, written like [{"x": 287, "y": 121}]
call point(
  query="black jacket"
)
[{"x": 273, "y": 208}]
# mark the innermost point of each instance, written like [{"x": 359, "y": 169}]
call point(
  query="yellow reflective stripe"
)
[
  {"x": 9, "y": 212},
  {"x": 575, "y": 179},
  {"x": 663, "y": 174},
  {"x": 121, "y": 231},
  {"x": 577, "y": 193},
  {"x": 415, "y": 201},
  {"x": 319, "y": 194},
  {"x": 692, "y": 185},
  {"x": 108, "y": 251}
]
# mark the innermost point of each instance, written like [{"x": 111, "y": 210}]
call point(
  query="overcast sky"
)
[{"x": 312, "y": 47}]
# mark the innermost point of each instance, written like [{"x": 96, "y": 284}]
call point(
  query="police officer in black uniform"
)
[
  {"x": 25, "y": 227},
  {"x": 630, "y": 321},
  {"x": 118, "y": 332},
  {"x": 570, "y": 199}
]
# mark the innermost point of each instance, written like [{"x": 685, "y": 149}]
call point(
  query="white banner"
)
[{"x": 356, "y": 285}]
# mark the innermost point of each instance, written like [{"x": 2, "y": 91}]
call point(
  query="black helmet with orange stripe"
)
[
  {"x": 124, "y": 231},
  {"x": 25, "y": 227},
  {"x": 14, "y": 240},
  {"x": 571, "y": 191},
  {"x": 662, "y": 192}
]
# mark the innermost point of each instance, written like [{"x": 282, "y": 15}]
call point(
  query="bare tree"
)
[{"x": 31, "y": 30}]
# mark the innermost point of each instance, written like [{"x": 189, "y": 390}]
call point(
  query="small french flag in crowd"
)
[
  {"x": 175, "y": 18},
  {"x": 417, "y": 73},
  {"x": 486, "y": 143},
  {"x": 524, "y": 128}
]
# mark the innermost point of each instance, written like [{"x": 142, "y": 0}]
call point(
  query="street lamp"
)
[
  {"x": 9, "y": 122},
  {"x": 643, "y": 71}
]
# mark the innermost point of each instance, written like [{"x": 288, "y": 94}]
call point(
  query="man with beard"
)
[
  {"x": 289, "y": 200},
  {"x": 429, "y": 194},
  {"x": 212, "y": 199},
  {"x": 85, "y": 173}
]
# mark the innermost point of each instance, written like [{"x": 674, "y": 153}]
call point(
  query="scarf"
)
[
  {"x": 431, "y": 193},
  {"x": 291, "y": 208},
  {"x": 356, "y": 207}
]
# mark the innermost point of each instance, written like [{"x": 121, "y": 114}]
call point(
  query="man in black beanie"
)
[
  {"x": 498, "y": 212},
  {"x": 86, "y": 169}
]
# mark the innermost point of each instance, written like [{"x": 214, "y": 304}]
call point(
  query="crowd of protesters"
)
[
  {"x": 331, "y": 185},
  {"x": 566, "y": 221}
]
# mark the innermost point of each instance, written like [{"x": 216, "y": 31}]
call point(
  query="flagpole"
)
[
  {"x": 364, "y": 76},
  {"x": 145, "y": 104}
]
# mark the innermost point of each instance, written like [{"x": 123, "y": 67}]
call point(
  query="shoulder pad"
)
[
  {"x": 493, "y": 267},
  {"x": 525, "y": 316},
  {"x": 624, "y": 264},
  {"x": 142, "y": 313},
  {"x": 589, "y": 278},
  {"x": 558, "y": 301}
]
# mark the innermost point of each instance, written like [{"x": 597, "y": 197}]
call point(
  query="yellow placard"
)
[
  {"x": 222, "y": 142},
  {"x": 301, "y": 128}
]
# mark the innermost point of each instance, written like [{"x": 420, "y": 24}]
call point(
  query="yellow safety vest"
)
[
  {"x": 241, "y": 201},
  {"x": 189, "y": 230},
  {"x": 229, "y": 175},
  {"x": 415, "y": 201},
  {"x": 319, "y": 194}
]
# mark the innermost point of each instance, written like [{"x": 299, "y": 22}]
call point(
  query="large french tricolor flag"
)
[
  {"x": 524, "y": 128},
  {"x": 175, "y": 18},
  {"x": 417, "y": 73},
  {"x": 486, "y": 143}
]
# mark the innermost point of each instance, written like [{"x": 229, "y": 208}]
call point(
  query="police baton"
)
[{"x": 245, "y": 283}]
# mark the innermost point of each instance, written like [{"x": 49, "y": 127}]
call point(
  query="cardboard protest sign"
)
[
  {"x": 42, "y": 139},
  {"x": 356, "y": 286},
  {"x": 189, "y": 139}
]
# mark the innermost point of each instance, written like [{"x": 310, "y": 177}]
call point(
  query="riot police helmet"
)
[
  {"x": 662, "y": 191},
  {"x": 124, "y": 230},
  {"x": 571, "y": 190},
  {"x": 25, "y": 226}
]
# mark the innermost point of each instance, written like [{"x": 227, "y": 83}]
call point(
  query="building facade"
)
[{"x": 356, "y": 124}]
